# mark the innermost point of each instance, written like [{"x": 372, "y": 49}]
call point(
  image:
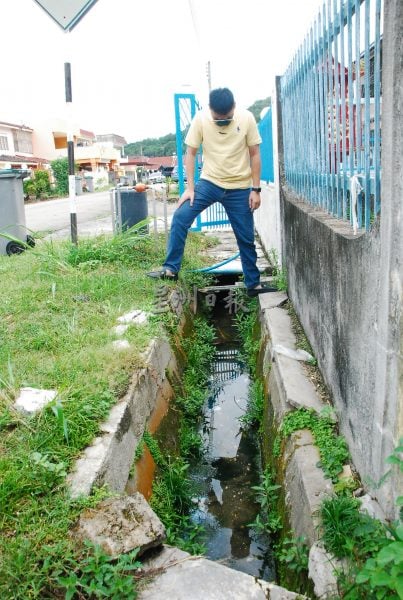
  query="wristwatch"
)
[{"x": 257, "y": 189}]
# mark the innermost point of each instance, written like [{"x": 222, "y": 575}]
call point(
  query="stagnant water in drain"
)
[{"x": 226, "y": 503}]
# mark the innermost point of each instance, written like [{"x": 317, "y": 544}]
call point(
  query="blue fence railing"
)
[
  {"x": 185, "y": 109},
  {"x": 331, "y": 112},
  {"x": 265, "y": 127}
]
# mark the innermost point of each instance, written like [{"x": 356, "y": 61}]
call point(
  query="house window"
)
[
  {"x": 3, "y": 142},
  {"x": 22, "y": 141}
]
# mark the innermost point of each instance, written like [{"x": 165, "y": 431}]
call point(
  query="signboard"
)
[{"x": 66, "y": 13}]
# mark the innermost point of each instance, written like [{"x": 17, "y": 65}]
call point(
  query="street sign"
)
[{"x": 66, "y": 13}]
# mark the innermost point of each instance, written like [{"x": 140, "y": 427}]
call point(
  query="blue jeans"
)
[{"x": 236, "y": 203}]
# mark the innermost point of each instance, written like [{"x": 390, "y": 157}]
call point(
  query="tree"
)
[
  {"x": 163, "y": 146},
  {"x": 38, "y": 186},
  {"x": 257, "y": 107},
  {"x": 60, "y": 168}
]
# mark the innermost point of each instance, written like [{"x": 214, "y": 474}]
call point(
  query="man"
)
[{"x": 230, "y": 175}]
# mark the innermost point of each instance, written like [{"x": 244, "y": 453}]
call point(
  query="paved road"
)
[{"x": 94, "y": 215}]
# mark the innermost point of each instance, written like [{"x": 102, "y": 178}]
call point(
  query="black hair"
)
[{"x": 221, "y": 101}]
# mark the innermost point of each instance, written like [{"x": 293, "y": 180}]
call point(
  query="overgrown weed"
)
[{"x": 332, "y": 447}]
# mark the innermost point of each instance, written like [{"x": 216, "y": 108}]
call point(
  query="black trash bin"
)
[
  {"x": 12, "y": 212},
  {"x": 129, "y": 208}
]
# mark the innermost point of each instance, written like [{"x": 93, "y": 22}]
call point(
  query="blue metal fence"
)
[
  {"x": 331, "y": 112},
  {"x": 265, "y": 127},
  {"x": 186, "y": 106}
]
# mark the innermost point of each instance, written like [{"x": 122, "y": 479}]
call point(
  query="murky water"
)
[{"x": 230, "y": 467}]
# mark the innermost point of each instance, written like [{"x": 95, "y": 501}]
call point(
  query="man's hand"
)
[
  {"x": 187, "y": 195},
  {"x": 254, "y": 200}
]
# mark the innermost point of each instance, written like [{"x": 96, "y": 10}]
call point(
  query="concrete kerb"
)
[
  {"x": 107, "y": 461},
  {"x": 289, "y": 387}
]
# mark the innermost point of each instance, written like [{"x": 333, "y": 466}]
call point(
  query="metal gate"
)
[{"x": 214, "y": 217}]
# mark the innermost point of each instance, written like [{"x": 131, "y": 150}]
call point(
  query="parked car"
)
[
  {"x": 156, "y": 177},
  {"x": 175, "y": 174}
]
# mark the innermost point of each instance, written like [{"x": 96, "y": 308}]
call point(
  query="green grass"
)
[
  {"x": 332, "y": 447},
  {"x": 58, "y": 306},
  {"x": 372, "y": 551},
  {"x": 253, "y": 416},
  {"x": 246, "y": 324},
  {"x": 267, "y": 495}
]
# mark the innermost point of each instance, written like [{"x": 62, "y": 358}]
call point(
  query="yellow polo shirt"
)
[{"x": 226, "y": 160}]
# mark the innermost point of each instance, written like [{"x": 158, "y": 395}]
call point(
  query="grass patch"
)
[
  {"x": 246, "y": 323},
  {"x": 372, "y": 551},
  {"x": 332, "y": 448},
  {"x": 59, "y": 305},
  {"x": 253, "y": 416},
  {"x": 280, "y": 277}
]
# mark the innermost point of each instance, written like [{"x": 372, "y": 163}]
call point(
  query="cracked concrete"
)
[{"x": 181, "y": 576}]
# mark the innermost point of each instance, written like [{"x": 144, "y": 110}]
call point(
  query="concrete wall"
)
[
  {"x": 388, "y": 409},
  {"x": 347, "y": 290},
  {"x": 333, "y": 285}
]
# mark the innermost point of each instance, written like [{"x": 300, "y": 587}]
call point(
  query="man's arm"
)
[
  {"x": 255, "y": 164},
  {"x": 190, "y": 160}
]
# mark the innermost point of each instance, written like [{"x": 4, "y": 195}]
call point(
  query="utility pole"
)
[{"x": 70, "y": 155}]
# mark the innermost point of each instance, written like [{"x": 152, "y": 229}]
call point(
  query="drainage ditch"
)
[
  {"x": 224, "y": 501},
  {"x": 226, "y": 505}
]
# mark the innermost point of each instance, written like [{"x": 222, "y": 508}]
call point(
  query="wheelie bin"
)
[
  {"x": 128, "y": 208},
  {"x": 13, "y": 231}
]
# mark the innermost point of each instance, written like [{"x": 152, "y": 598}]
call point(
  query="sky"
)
[{"x": 128, "y": 58}]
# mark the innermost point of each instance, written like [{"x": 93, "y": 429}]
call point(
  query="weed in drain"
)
[
  {"x": 267, "y": 495},
  {"x": 138, "y": 454},
  {"x": 332, "y": 447},
  {"x": 253, "y": 416},
  {"x": 171, "y": 500},
  {"x": 245, "y": 324},
  {"x": 382, "y": 573},
  {"x": 279, "y": 273},
  {"x": 191, "y": 443},
  {"x": 293, "y": 553},
  {"x": 172, "y": 491},
  {"x": 154, "y": 449},
  {"x": 192, "y": 402}
]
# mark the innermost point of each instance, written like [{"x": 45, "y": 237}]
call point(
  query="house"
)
[
  {"x": 99, "y": 158},
  {"x": 143, "y": 165},
  {"x": 17, "y": 148},
  {"x": 113, "y": 140}
]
